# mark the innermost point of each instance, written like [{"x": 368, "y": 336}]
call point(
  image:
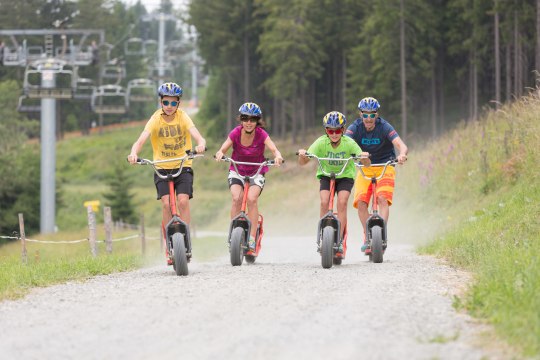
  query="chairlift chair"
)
[
  {"x": 84, "y": 88},
  {"x": 140, "y": 90},
  {"x": 27, "y": 105},
  {"x": 134, "y": 47},
  {"x": 35, "y": 72},
  {"x": 109, "y": 99}
]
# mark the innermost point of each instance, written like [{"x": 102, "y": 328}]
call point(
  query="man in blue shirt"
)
[{"x": 377, "y": 137}]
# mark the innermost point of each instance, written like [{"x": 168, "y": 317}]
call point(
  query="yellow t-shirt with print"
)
[{"x": 170, "y": 139}]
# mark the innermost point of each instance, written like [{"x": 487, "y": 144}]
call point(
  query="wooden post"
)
[
  {"x": 24, "y": 257},
  {"x": 92, "y": 230},
  {"x": 143, "y": 238},
  {"x": 108, "y": 228}
]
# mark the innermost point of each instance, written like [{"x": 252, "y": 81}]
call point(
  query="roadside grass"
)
[{"x": 480, "y": 185}]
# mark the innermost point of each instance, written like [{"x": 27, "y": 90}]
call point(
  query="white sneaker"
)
[{"x": 251, "y": 243}]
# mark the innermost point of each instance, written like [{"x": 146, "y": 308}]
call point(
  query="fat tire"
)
[
  {"x": 327, "y": 247},
  {"x": 237, "y": 240},
  {"x": 250, "y": 259},
  {"x": 376, "y": 244},
  {"x": 179, "y": 255}
]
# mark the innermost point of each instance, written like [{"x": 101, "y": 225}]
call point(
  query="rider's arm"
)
[
  {"x": 201, "y": 143},
  {"x": 272, "y": 147},
  {"x": 402, "y": 148},
  {"x": 137, "y": 146},
  {"x": 223, "y": 149}
]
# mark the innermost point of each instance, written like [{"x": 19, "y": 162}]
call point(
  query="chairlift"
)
[
  {"x": 28, "y": 105},
  {"x": 150, "y": 46},
  {"x": 134, "y": 46},
  {"x": 113, "y": 71},
  {"x": 52, "y": 69},
  {"x": 84, "y": 88},
  {"x": 109, "y": 99},
  {"x": 167, "y": 69},
  {"x": 35, "y": 53},
  {"x": 13, "y": 57},
  {"x": 140, "y": 90}
]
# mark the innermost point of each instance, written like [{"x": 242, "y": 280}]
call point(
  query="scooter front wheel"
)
[
  {"x": 327, "y": 247},
  {"x": 179, "y": 255},
  {"x": 237, "y": 240},
  {"x": 376, "y": 244}
]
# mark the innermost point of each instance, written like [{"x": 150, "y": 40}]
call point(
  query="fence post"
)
[
  {"x": 92, "y": 229},
  {"x": 108, "y": 228},
  {"x": 24, "y": 257},
  {"x": 143, "y": 238}
]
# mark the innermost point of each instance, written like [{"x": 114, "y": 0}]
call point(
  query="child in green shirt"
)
[{"x": 335, "y": 145}]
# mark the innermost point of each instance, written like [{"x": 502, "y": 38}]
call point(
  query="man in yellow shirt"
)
[{"x": 170, "y": 130}]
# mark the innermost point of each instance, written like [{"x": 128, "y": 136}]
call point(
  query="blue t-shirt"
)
[{"x": 377, "y": 142}]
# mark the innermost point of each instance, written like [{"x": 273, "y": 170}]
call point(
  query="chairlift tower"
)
[
  {"x": 161, "y": 17},
  {"x": 49, "y": 64}
]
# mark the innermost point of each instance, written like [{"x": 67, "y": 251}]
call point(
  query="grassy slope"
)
[{"x": 479, "y": 186}]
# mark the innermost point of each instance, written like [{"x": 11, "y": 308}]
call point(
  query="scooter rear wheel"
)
[
  {"x": 237, "y": 240},
  {"x": 327, "y": 247},
  {"x": 376, "y": 244},
  {"x": 179, "y": 255}
]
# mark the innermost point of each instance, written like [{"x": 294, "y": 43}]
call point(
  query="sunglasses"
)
[
  {"x": 334, "y": 131},
  {"x": 365, "y": 116},
  {"x": 167, "y": 102},
  {"x": 249, "y": 118}
]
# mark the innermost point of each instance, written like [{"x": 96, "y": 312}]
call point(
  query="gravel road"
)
[{"x": 283, "y": 307}]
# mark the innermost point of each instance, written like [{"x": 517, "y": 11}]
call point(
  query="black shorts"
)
[
  {"x": 183, "y": 183},
  {"x": 343, "y": 184}
]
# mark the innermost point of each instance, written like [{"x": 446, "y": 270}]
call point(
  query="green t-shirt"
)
[{"x": 322, "y": 147}]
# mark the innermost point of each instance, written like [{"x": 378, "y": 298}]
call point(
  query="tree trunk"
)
[
  {"x": 402, "y": 70},
  {"x": 508, "y": 67},
  {"x": 247, "y": 94},
  {"x": 344, "y": 82},
  {"x": 229, "y": 103},
  {"x": 475, "y": 88},
  {"x": 516, "y": 55},
  {"x": 537, "y": 65},
  {"x": 275, "y": 117},
  {"x": 433, "y": 99},
  {"x": 283, "y": 120},
  {"x": 497, "y": 62}
]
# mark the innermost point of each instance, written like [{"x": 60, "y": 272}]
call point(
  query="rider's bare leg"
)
[
  {"x": 343, "y": 199},
  {"x": 363, "y": 215},
  {"x": 384, "y": 208},
  {"x": 325, "y": 200},
  {"x": 253, "y": 208},
  {"x": 165, "y": 209},
  {"x": 182, "y": 204},
  {"x": 237, "y": 192}
]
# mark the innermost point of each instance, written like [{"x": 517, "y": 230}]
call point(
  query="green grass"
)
[{"x": 480, "y": 186}]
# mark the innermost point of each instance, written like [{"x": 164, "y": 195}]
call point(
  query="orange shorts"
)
[{"x": 385, "y": 186}]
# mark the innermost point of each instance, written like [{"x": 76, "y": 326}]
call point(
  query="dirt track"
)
[{"x": 283, "y": 307}]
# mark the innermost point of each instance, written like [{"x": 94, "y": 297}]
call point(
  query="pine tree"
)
[{"x": 119, "y": 198}]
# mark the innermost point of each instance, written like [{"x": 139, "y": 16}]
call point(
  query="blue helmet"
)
[
  {"x": 334, "y": 119},
  {"x": 368, "y": 104},
  {"x": 170, "y": 89},
  {"x": 250, "y": 109}
]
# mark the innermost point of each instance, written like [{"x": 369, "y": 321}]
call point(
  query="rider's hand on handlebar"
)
[
  {"x": 278, "y": 160},
  {"x": 200, "y": 149},
  {"x": 219, "y": 155},
  {"x": 401, "y": 159},
  {"x": 132, "y": 158},
  {"x": 364, "y": 158},
  {"x": 302, "y": 153}
]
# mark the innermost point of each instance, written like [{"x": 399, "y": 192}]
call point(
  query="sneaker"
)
[
  {"x": 251, "y": 243},
  {"x": 366, "y": 248},
  {"x": 340, "y": 248}
]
